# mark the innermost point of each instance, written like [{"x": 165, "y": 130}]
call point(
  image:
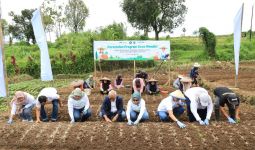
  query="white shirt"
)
[
  {"x": 193, "y": 95},
  {"x": 169, "y": 104},
  {"x": 77, "y": 104},
  {"x": 28, "y": 102},
  {"x": 140, "y": 108},
  {"x": 113, "y": 106},
  {"x": 50, "y": 93}
]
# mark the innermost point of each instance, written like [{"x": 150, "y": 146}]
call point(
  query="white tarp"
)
[
  {"x": 237, "y": 36},
  {"x": 2, "y": 81},
  {"x": 131, "y": 50},
  {"x": 46, "y": 72}
]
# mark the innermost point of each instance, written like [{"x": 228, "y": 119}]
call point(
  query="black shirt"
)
[{"x": 220, "y": 91}]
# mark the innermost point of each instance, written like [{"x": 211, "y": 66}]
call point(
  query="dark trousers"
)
[
  {"x": 232, "y": 111},
  {"x": 201, "y": 112},
  {"x": 54, "y": 114}
]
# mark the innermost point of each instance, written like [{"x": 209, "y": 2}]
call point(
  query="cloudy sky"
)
[{"x": 216, "y": 15}]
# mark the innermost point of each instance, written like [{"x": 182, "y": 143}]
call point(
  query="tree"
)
[
  {"x": 114, "y": 31},
  {"x": 184, "y": 30},
  {"x": 76, "y": 12},
  {"x": 156, "y": 15},
  {"x": 209, "y": 41},
  {"x": 22, "y": 29}
]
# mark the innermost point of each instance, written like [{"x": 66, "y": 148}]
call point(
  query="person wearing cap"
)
[
  {"x": 105, "y": 85},
  {"x": 89, "y": 83},
  {"x": 118, "y": 82},
  {"x": 78, "y": 106},
  {"x": 224, "y": 95},
  {"x": 112, "y": 108},
  {"x": 172, "y": 107},
  {"x": 77, "y": 84},
  {"x": 22, "y": 104},
  {"x": 199, "y": 105},
  {"x": 138, "y": 85},
  {"x": 194, "y": 73},
  {"x": 136, "y": 110},
  {"x": 177, "y": 83},
  {"x": 152, "y": 87},
  {"x": 47, "y": 95}
]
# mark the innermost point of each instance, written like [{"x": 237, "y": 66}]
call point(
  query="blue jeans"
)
[
  {"x": 164, "y": 116},
  {"x": 54, "y": 114},
  {"x": 26, "y": 113},
  {"x": 79, "y": 115},
  {"x": 111, "y": 115},
  {"x": 134, "y": 115}
]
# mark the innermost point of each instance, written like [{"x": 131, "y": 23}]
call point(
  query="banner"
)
[
  {"x": 2, "y": 81},
  {"x": 131, "y": 50},
  {"x": 237, "y": 36},
  {"x": 46, "y": 72}
]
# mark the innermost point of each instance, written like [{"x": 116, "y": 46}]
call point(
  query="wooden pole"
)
[
  {"x": 134, "y": 68},
  {"x": 169, "y": 73},
  {"x": 236, "y": 78}
]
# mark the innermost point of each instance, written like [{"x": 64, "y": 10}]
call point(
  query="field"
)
[{"x": 96, "y": 134}]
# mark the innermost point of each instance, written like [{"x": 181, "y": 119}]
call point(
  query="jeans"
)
[
  {"x": 79, "y": 115},
  {"x": 164, "y": 116},
  {"x": 111, "y": 115},
  {"x": 54, "y": 114},
  {"x": 134, "y": 115},
  {"x": 26, "y": 113},
  {"x": 232, "y": 111}
]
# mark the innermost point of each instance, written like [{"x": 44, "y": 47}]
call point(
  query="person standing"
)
[{"x": 194, "y": 74}]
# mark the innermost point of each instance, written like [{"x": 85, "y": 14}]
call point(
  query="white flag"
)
[
  {"x": 2, "y": 81},
  {"x": 237, "y": 36},
  {"x": 46, "y": 72}
]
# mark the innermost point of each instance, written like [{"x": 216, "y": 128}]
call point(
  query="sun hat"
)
[
  {"x": 136, "y": 95},
  {"x": 204, "y": 99},
  {"x": 178, "y": 94},
  {"x": 152, "y": 80},
  {"x": 105, "y": 79},
  {"x": 196, "y": 64},
  {"x": 180, "y": 76},
  {"x": 90, "y": 76},
  {"x": 77, "y": 92},
  {"x": 186, "y": 79}
]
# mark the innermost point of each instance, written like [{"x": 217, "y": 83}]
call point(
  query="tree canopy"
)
[{"x": 156, "y": 15}]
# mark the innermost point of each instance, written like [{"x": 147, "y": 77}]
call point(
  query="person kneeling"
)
[
  {"x": 112, "y": 108},
  {"x": 136, "y": 110},
  {"x": 152, "y": 87},
  {"x": 172, "y": 107},
  {"x": 78, "y": 106}
]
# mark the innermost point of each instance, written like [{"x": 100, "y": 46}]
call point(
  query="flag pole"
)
[
  {"x": 251, "y": 21},
  {"x": 134, "y": 68}
]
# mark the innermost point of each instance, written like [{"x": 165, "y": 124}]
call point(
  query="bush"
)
[{"x": 209, "y": 41}]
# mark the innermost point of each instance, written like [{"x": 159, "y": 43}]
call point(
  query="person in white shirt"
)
[
  {"x": 47, "y": 95},
  {"x": 22, "y": 104},
  {"x": 172, "y": 107},
  {"x": 136, "y": 110},
  {"x": 200, "y": 104},
  {"x": 78, "y": 106}
]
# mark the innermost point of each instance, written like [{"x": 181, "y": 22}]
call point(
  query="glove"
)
[
  {"x": 72, "y": 121},
  {"x": 136, "y": 122},
  {"x": 231, "y": 121},
  {"x": 206, "y": 122},
  {"x": 180, "y": 124},
  {"x": 201, "y": 122},
  {"x": 130, "y": 123},
  {"x": 84, "y": 111},
  {"x": 10, "y": 121}
]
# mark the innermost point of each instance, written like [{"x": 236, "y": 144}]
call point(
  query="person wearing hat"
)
[
  {"x": 22, "y": 104},
  {"x": 112, "y": 108},
  {"x": 152, "y": 87},
  {"x": 118, "y": 82},
  {"x": 172, "y": 107},
  {"x": 105, "y": 85},
  {"x": 78, "y": 106},
  {"x": 47, "y": 95},
  {"x": 224, "y": 95},
  {"x": 77, "y": 84},
  {"x": 199, "y": 104},
  {"x": 194, "y": 73},
  {"x": 177, "y": 83},
  {"x": 136, "y": 110},
  {"x": 89, "y": 83},
  {"x": 186, "y": 83},
  {"x": 138, "y": 85}
]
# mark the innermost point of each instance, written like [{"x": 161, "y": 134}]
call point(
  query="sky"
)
[{"x": 216, "y": 15}]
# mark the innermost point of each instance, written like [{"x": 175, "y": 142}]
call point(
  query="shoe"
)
[
  {"x": 24, "y": 120},
  {"x": 53, "y": 120},
  {"x": 45, "y": 120},
  {"x": 31, "y": 120}
]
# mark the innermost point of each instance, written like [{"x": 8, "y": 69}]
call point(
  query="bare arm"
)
[
  {"x": 171, "y": 115},
  {"x": 37, "y": 113},
  {"x": 224, "y": 112},
  {"x": 237, "y": 113}
]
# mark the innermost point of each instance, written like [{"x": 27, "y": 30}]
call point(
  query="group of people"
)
[{"x": 196, "y": 100}]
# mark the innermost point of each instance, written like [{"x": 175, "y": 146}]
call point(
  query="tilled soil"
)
[{"x": 153, "y": 134}]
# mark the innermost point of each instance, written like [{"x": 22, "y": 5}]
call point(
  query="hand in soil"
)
[
  {"x": 206, "y": 122},
  {"x": 180, "y": 124},
  {"x": 201, "y": 122},
  {"x": 130, "y": 123},
  {"x": 108, "y": 120},
  {"x": 38, "y": 121},
  {"x": 231, "y": 121},
  {"x": 136, "y": 122}
]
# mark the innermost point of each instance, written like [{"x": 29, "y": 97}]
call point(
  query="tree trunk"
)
[{"x": 156, "y": 35}]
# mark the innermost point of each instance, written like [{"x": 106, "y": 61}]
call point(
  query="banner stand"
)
[{"x": 134, "y": 68}]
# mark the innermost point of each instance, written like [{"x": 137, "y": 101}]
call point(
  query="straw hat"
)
[
  {"x": 77, "y": 83},
  {"x": 105, "y": 78},
  {"x": 90, "y": 76},
  {"x": 152, "y": 80},
  {"x": 77, "y": 92},
  {"x": 196, "y": 64},
  {"x": 186, "y": 79},
  {"x": 178, "y": 94},
  {"x": 180, "y": 76}
]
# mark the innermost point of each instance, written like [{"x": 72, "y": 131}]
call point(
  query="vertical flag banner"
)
[
  {"x": 46, "y": 72},
  {"x": 237, "y": 36},
  {"x": 2, "y": 81}
]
